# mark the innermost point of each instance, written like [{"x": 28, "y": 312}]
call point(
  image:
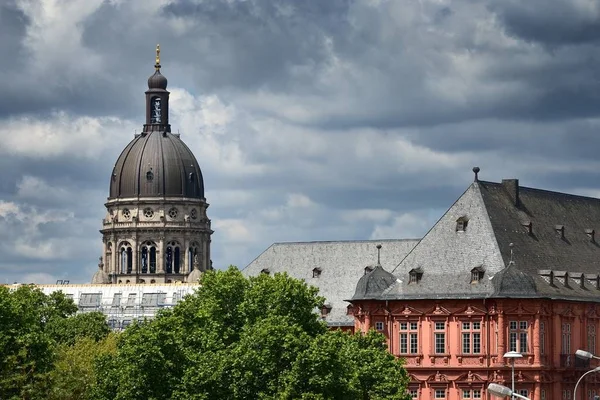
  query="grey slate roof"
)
[
  {"x": 156, "y": 164},
  {"x": 342, "y": 264},
  {"x": 550, "y": 231}
]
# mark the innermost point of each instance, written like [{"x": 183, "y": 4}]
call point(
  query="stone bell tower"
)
[{"x": 156, "y": 229}]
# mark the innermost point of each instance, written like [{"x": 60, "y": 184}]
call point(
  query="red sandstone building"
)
[{"x": 507, "y": 268}]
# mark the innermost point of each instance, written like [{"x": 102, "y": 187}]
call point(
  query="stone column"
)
[
  {"x": 115, "y": 252},
  {"x": 184, "y": 253},
  {"x": 205, "y": 256},
  {"x": 367, "y": 324},
  {"x": 134, "y": 256},
  {"x": 160, "y": 261},
  {"x": 556, "y": 336}
]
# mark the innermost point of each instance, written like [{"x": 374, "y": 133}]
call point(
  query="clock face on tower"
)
[{"x": 156, "y": 111}]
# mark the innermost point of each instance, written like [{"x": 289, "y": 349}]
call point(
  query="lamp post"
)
[
  {"x": 502, "y": 391},
  {"x": 512, "y": 355},
  {"x": 586, "y": 355}
]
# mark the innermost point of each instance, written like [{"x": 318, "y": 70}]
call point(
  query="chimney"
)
[{"x": 512, "y": 188}]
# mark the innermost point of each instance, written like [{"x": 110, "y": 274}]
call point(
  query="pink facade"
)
[{"x": 454, "y": 348}]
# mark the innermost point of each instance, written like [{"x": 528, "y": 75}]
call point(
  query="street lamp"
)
[
  {"x": 512, "y": 355},
  {"x": 502, "y": 391},
  {"x": 586, "y": 355}
]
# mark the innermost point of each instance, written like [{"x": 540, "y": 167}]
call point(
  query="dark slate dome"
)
[
  {"x": 372, "y": 284},
  {"x": 156, "y": 164},
  {"x": 511, "y": 282},
  {"x": 157, "y": 81}
]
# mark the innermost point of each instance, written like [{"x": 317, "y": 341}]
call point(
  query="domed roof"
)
[
  {"x": 156, "y": 164},
  {"x": 157, "y": 81},
  {"x": 100, "y": 277},
  {"x": 372, "y": 284}
]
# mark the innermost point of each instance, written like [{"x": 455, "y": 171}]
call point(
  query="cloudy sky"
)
[{"x": 311, "y": 120}]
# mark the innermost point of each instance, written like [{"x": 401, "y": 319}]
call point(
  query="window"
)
[
  {"x": 414, "y": 393},
  {"x": 566, "y": 338},
  {"x": 440, "y": 394},
  {"x": 409, "y": 340},
  {"x": 368, "y": 269},
  {"x": 316, "y": 272},
  {"x": 131, "y": 300},
  {"x": 379, "y": 325},
  {"x": 543, "y": 394},
  {"x": 477, "y": 274},
  {"x": 440, "y": 337},
  {"x": 523, "y": 392},
  {"x": 113, "y": 323},
  {"x": 414, "y": 275},
  {"x": 116, "y": 302},
  {"x": 148, "y": 212},
  {"x": 566, "y": 395},
  {"x": 471, "y": 337},
  {"x": 591, "y": 338},
  {"x": 149, "y": 176},
  {"x": 542, "y": 338},
  {"x": 173, "y": 258},
  {"x": 90, "y": 300},
  {"x": 148, "y": 258},
  {"x": 153, "y": 299},
  {"x": 471, "y": 394},
  {"x": 518, "y": 336},
  {"x": 265, "y": 271},
  {"x": 173, "y": 213},
  {"x": 461, "y": 224}
]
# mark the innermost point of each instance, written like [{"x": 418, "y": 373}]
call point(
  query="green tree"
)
[
  {"x": 90, "y": 325},
  {"x": 26, "y": 344},
  {"x": 73, "y": 376},
  {"x": 248, "y": 338}
]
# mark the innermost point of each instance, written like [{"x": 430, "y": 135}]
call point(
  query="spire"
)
[
  {"x": 157, "y": 63},
  {"x": 378, "y": 254}
]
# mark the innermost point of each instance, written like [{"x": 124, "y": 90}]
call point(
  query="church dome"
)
[
  {"x": 157, "y": 81},
  {"x": 156, "y": 164}
]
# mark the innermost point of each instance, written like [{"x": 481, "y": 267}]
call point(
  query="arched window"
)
[
  {"x": 173, "y": 258},
  {"x": 192, "y": 253},
  {"x": 126, "y": 261},
  {"x": 148, "y": 258}
]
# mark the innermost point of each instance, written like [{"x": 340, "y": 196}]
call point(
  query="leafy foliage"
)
[{"x": 248, "y": 338}]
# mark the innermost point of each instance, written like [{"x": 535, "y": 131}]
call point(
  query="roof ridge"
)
[{"x": 555, "y": 192}]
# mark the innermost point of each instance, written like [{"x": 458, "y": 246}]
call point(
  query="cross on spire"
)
[{"x": 157, "y": 64}]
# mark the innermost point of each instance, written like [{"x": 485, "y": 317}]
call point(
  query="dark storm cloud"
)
[{"x": 550, "y": 22}]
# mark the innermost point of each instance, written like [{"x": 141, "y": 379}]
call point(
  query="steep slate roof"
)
[
  {"x": 550, "y": 231},
  {"x": 342, "y": 264}
]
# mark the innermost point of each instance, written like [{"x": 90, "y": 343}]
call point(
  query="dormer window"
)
[
  {"x": 414, "y": 275},
  {"x": 560, "y": 231},
  {"x": 461, "y": 224},
  {"x": 325, "y": 310},
  {"x": 265, "y": 271},
  {"x": 591, "y": 234},
  {"x": 477, "y": 274},
  {"x": 368, "y": 269},
  {"x": 350, "y": 310},
  {"x": 316, "y": 272},
  {"x": 528, "y": 225}
]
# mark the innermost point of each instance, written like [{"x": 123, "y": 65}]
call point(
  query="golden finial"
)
[{"x": 157, "y": 65}]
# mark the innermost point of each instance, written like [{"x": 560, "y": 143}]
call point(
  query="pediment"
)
[
  {"x": 523, "y": 377},
  {"x": 413, "y": 378},
  {"x": 469, "y": 377},
  {"x": 592, "y": 312},
  {"x": 471, "y": 311},
  {"x": 438, "y": 377},
  {"x": 439, "y": 310},
  {"x": 520, "y": 310},
  {"x": 380, "y": 310},
  {"x": 406, "y": 311},
  {"x": 568, "y": 312}
]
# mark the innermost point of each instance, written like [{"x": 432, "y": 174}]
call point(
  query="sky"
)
[{"x": 311, "y": 120}]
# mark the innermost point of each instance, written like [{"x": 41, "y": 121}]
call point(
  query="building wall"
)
[{"x": 551, "y": 331}]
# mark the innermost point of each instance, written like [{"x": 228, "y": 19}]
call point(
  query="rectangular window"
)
[
  {"x": 476, "y": 393},
  {"x": 116, "y": 302},
  {"x": 131, "y": 300},
  {"x": 471, "y": 338},
  {"x": 518, "y": 336},
  {"x": 523, "y": 392},
  {"x": 414, "y": 393},
  {"x": 566, "y": 339},
  {"x": 543, "y": 394},
  {"x": 440, "y": 338},
  {"x": 90, "y": 299},
  {"x": 440, "y": 394},
  {"x": 466, "y": 394},
  {"x": 379, "y": 325},
  {"x": 566, "y": 395},
  {"x": 409, "y": 342},
  {"x": 591, "y": 339}
]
